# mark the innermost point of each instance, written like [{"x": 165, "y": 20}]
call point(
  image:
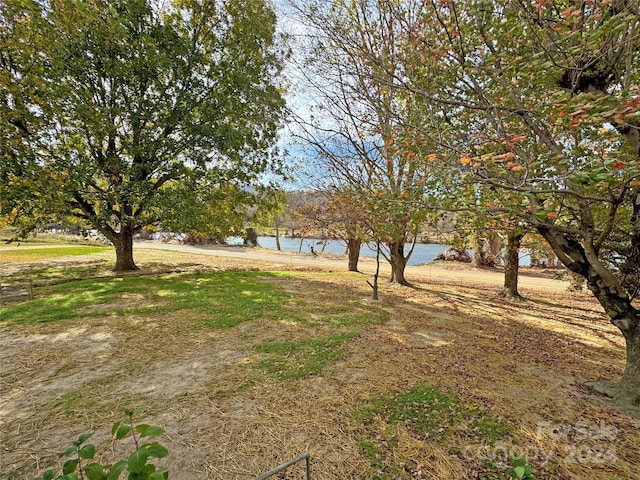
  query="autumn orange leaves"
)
[{"x": 509, "y": 158}]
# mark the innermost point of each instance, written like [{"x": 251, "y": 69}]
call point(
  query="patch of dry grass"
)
[{"x": 522, "y": 362}]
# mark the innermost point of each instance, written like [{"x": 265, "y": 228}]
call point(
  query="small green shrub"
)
[
  {"x": 80, "y": 454},
  {"x": 520, "y": 470}
]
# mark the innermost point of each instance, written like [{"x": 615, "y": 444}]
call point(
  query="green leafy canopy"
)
[{"x": 104, "y": 104}]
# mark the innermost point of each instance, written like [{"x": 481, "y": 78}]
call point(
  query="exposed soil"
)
[{"x": 523, "y": 361}]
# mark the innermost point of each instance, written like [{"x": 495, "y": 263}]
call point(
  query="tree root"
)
[
  {"x": 623, "y": 399},
  {"x": 510, "y": 295}
]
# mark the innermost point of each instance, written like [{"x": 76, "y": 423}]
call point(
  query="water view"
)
[{"x": 423, "y": 252}]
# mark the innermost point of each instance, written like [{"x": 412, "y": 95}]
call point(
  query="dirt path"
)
[{"x": 441, "y": 272}]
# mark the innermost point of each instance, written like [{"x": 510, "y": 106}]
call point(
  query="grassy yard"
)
[
  {"x": 246, "y": 367},
  {"x": 32, "y": 254}
]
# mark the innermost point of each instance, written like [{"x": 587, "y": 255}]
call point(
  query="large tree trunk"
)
[
  {"x": 511, "y": 265},
  {"x": 627, "y": 390},
  {"x": 629, "y": 386},
  {"x": 398, "y": 263},
  {"x": 616, "y": 303},
  {"x": 353, "y": 251},
  {"x": 124, "y": 250}
]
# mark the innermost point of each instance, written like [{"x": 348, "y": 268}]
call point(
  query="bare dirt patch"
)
[{"x": 525, "y": 362}]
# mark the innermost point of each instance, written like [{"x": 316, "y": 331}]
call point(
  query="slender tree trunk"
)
[
  {"x": 353, "y": 251},
  {"x": 398, "y": 263},
  {"x": 124, "y": 250},
  {"x": 377, "y": 274},
  {"x": 374, "y": 285},
  {"x": 511, "y": 265},
  {"x": 278, "y": 236}
]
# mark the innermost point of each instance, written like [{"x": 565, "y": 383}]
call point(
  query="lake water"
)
[{"x": 423, "y": 252}]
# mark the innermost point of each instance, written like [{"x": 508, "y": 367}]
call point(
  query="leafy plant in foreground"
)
[
  {"x": 520, "y": 470},
  {"x": 137, "y": 466}
]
